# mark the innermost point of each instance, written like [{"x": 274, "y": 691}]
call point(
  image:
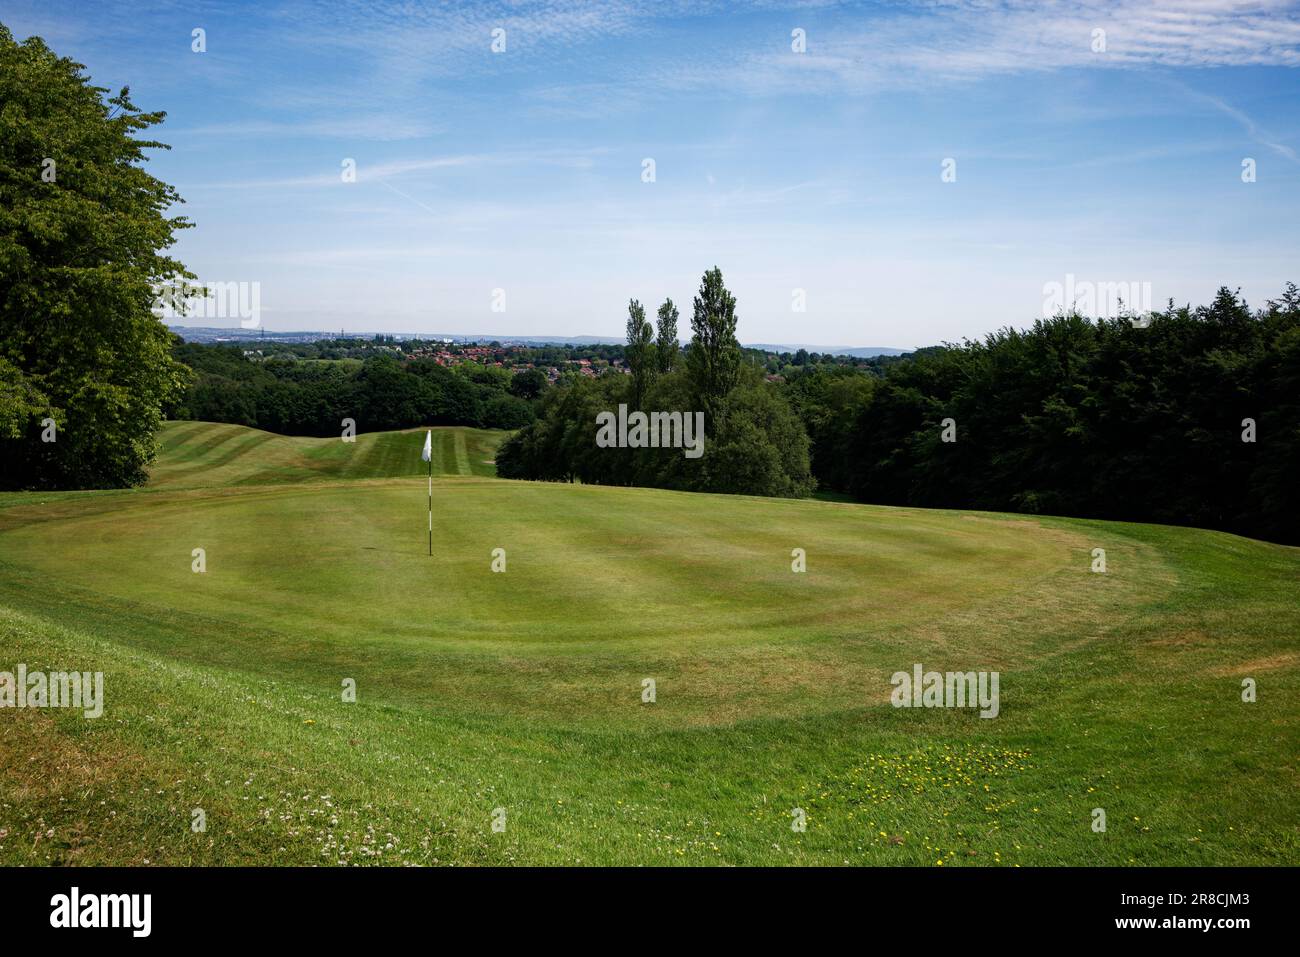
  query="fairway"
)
[
  {"x": 205, "y": 454},
  {"x": 522, "y": 692}
]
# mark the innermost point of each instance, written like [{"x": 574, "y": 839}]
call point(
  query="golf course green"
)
[{"x": 598, "y": 675}]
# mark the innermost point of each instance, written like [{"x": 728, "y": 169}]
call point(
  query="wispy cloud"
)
[
  {"x": 1249, "y": 125},
  {"x": 950, "y": 41},
  {"x": 406, "y": 44},
  {"x": 370, "y": 127},
  {"x": 364, "y": 173},
  {"x": 395, "y": 169}
]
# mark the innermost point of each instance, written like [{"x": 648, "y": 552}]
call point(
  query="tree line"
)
[
  {"x": 754, "y": 442},
  {"x": 312, "y": 397},
  {"x": 1189, "y": 416}
]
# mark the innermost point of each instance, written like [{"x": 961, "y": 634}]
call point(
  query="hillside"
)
[
  {"x": 197, "y": 454},
  {"x": 523, "y": 691}
]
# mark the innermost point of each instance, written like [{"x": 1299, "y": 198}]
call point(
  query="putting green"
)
[{"x": 602, "y": 587}]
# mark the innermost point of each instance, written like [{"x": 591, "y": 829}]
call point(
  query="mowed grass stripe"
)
[
  {"x": 445, "y": 446},
  {"x": 204, "y": 443},
  {"x": 175, "y": 435},
  {"x": 369, "y": 458},
  {"x": 234, "y": 451},
  {"x": 215, "y": 455},
  {"x": 193, "y": 443},
  {"x": 461, "y": 454}
]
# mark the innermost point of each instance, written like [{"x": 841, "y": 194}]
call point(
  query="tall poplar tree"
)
[
  {"x": 640, "y": 351},
  {"x": 666, "y": 347},
  {"x": 713, "y": 359}
]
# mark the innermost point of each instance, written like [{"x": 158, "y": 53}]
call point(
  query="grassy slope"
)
[
  {"x": 204, "y": 454},
  {"x": 522, "y": 691}
]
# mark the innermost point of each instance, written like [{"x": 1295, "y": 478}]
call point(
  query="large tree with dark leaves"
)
[{"x": 85, "y": 365}]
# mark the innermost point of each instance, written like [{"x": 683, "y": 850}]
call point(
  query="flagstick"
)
[{"x": 431, "y": 503}]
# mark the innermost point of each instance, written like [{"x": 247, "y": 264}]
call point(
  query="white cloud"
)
[{"x": 965, "y": 40}]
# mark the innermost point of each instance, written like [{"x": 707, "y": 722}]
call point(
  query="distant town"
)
[
  {"x": 554, "y": 361},
  {"x": 218, "y": 334}
]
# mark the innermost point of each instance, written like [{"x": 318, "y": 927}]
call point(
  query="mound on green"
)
[
  {"x": 207, "y": 454},
  {"x": 646, "y": 682}
]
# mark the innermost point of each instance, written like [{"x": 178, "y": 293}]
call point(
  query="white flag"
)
[{"x": 427, "y": 454}]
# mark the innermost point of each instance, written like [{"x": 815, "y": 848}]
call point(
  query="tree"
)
[
  {"x": 388, "y": 397},
  {"x": 529, "y": 384},
  {"x": 758, "y": 444},
  {"x": 507, "y": 412},
  {"x": 760, "y": 448},
  {"x": 83, "y": 230},
  {"x": 640, "y": 351},
  {"x": 20, "y": 401},
  {"x": 713, "y": 359},
  {"x": 667, "y": 347}
]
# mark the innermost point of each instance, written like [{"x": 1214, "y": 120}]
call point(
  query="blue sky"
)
[{"x": 818, "y": 171}]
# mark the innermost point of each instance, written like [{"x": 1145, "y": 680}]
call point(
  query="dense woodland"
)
[
  {"x": 281, "y": 392},
  {"x": 1192, "y": 420},
  {"x": 1190, "y": 416}
]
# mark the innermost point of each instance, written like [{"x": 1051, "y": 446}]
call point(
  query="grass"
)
[
  {"x": 523, "y": 691},
  {"x": 203, "y": 454}
]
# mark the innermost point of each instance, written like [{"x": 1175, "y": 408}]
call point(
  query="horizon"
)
[
  {"x": 514, "y": 178},
  {"x": 256, "y": 334}
]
